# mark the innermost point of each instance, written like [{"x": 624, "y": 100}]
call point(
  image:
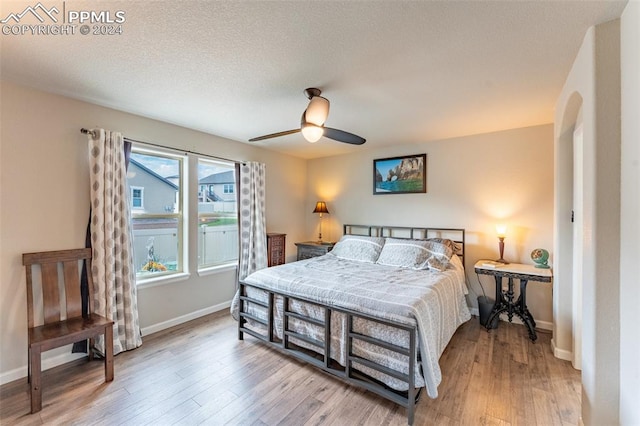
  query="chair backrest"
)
[{"x": 56, "y": 265}]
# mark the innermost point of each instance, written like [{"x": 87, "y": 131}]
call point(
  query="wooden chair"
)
[{"x": 55, "y": 331}]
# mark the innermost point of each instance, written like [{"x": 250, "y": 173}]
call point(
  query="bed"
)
[{"x": 377, "y": 311}]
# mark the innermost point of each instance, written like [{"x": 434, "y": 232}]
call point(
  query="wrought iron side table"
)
[{"x": 504, "y": 299}]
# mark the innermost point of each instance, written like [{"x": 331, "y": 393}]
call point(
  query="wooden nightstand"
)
[
  {"x": 504, "y": 299},
  {"x": 276, "y": 245},
  {"x": 309, "y": 249}
]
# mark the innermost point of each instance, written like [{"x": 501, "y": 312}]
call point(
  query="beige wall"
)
[
  {"x": 473, "y": 182},
  {"x": 607, "y": 269},
  {"x": 45, "y": 198},
  {"x": 630, "y": 214}
]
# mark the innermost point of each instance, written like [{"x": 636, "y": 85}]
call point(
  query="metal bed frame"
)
[{"x": 322, "y": 359}]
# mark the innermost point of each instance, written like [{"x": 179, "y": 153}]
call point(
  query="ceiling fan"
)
[{"x": 312, "y": 123}]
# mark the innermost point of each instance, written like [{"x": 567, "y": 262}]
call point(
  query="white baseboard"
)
[
  {"x": 184, "y": 318},
  {"x": 54, "y": 361},
  {"x": 47, "y": 363},
  {"x": 561, "y": 353},
  {"x": 542, "y": 325}
]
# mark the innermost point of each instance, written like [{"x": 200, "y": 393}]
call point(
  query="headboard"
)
[{"x": 415, "y": 233}]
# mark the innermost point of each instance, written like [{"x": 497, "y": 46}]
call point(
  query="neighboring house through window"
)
[
  {"x": 157, "y": 218},
  {"x": 158, "y": 184},
  {"x": 217, "y": 214},
  {"x": 137, "y": 197}
]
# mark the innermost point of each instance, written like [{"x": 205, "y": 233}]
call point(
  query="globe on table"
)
[{"x": 540, "y": 257}]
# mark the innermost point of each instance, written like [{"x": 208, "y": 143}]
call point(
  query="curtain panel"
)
[
  {"x": 115, "y": 294},
  {"x": 252, "y": 212}
]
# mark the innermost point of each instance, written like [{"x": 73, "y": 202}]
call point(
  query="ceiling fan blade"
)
[
  {"x": 342, "y": 136},
  {"x": 274, "y": 135}
]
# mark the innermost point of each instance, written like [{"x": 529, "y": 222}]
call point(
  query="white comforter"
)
[{"x": 433, "y": 300}]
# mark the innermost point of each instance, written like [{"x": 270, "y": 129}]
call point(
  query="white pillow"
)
[
  {"x": 359, "y": 248},
  {"x": 415, "y": 254}
]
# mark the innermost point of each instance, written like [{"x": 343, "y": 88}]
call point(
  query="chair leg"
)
[
  {"x": 90, "y": 348},
  {"x": 36, "y": 391},
  {"x": 108, "y": 354}
]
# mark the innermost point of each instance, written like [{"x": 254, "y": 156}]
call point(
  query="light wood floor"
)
[{"x": 200, "y": 373}]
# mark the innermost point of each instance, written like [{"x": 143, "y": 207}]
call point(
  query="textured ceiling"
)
[{"x": 395, "y": 72}]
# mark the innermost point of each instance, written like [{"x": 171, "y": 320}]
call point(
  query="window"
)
[
  {"x": 137, "y": 200},
  {"x": 159, "y": 187},
  {"x": 217, "y": 215},
  {"x": 156, "y": 180}
]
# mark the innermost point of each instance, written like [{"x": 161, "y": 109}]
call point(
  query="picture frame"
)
[{"x": 400, "y": 175}]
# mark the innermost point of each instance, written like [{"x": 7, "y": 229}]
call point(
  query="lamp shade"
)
[{"x": 321, "y": 207}]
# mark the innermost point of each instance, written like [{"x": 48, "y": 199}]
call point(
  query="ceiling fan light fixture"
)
[
  {"x": 312, "y": 133},
  {"x": 312, "y": 123},
  {"x": 317, "y": 111}
]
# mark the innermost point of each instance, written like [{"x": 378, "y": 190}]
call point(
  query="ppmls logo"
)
[
  {"x": 40, "y": 20},
  {"x": 38, "y": 11}
]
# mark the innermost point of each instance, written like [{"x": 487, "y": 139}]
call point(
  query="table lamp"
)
[
  {"x": 321, "y": 207},
  {"x": 501, "y": 230}
]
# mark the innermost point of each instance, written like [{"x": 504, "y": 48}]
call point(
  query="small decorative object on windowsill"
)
[
  {"x": 321, "y": 207},
  {"x": 152, "y": 264},
  {"x": 501, "y": 230},
  {"x": 540, "y": 257}
]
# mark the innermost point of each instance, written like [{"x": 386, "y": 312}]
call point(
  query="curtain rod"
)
[{"x": 93, "y": 134}]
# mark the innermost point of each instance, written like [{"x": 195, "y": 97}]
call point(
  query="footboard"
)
[{"x": 322, "y": 357}]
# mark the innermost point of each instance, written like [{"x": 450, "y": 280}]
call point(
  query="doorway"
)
[{"x": 569, "y": 235}]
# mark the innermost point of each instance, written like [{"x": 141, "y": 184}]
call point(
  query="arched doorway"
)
[{"x": 569, "y": 234}]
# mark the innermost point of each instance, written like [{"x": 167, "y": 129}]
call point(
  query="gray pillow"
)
[
  {"x": 447, "y": 242},
  {"x": 415, "y": 254},
  {"x": 358, "y": 248}
]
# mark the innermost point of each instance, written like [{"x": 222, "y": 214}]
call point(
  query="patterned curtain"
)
[
  {"x": 114, "y": 280},
  {"x": 253, "y": 227}
]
